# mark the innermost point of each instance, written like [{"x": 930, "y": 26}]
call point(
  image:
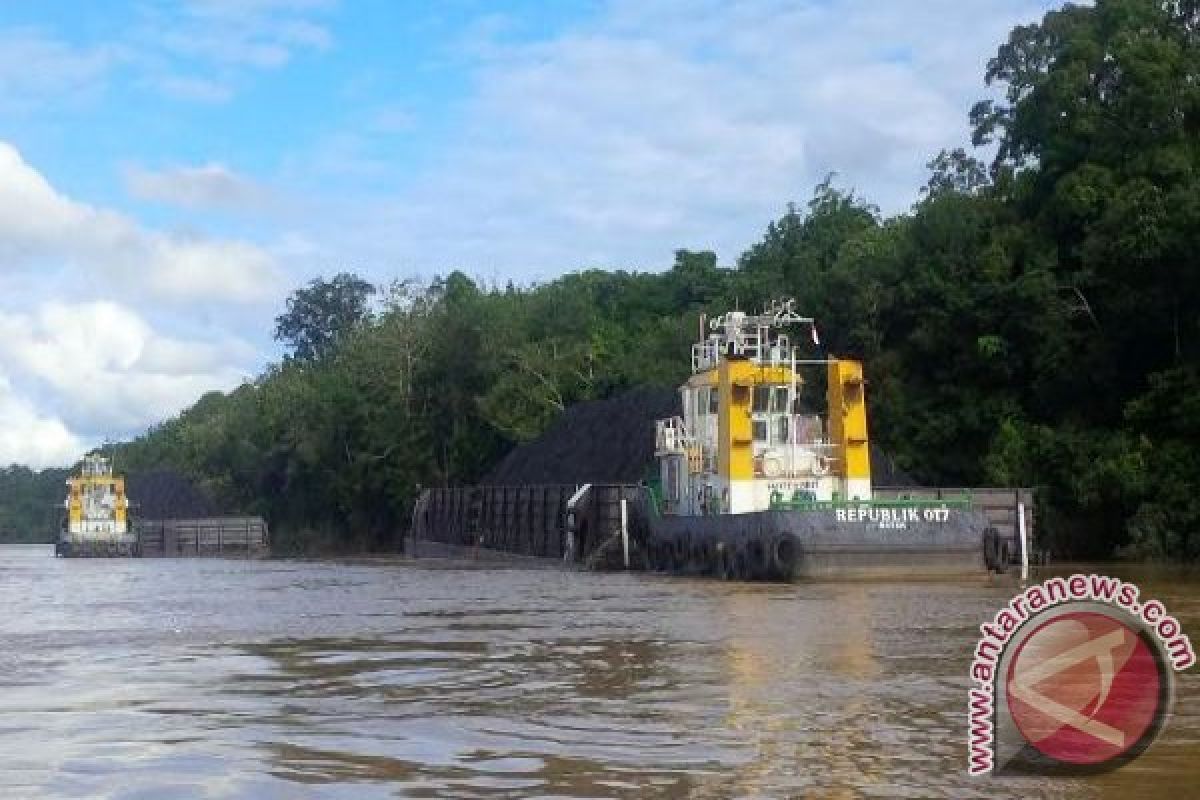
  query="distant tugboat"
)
[{"x": 96, "y": 513}]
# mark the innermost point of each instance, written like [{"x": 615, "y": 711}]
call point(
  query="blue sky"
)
[{"x": 169, "y": 171}]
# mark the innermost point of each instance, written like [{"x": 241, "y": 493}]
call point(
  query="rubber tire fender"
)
[
  {"x": 741, "y": 565},
  {"x": 758, "y": 558},
  {"x": 681, "y": 552},
  {"x": 785, "y": 555},
  {"x": 991, "y": 548},
  {"x": 726, "y": 569},
  {"x": 1005, "y": 556}
]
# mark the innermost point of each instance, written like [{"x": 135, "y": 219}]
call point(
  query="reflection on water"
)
[{"x": 148, "y": 679}]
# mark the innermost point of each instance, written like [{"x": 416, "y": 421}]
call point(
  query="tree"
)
[
  {"x": 955, "y": 171},
  {"x": 1100, "y": 130},
  {"x": 1034, "y": 323},
  {"x": 319, "y": 315}
]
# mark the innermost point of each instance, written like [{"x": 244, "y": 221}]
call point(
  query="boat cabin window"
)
[
  {"x": 713, "y": 397},
  {"x": 760, "y": 430},
  {"x": 762, "y": 399},
  {"x": 781, "y": 430},
  {"x": 779, "y": 400},
  {"x": 773, "y": 399}
]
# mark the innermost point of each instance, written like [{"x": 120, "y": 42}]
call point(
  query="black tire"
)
[
  {"x": 1004, "y": 556},
  {"x": 652, "y": 556},
  {"x": 991, "y": 543},
  {"x": 758, "y": 559},
  {"x": 666, "y": 555},
  {"x": 681, "y": 552},
  {"x": 785, "y": 555},
  {"x": 741, "y": 565},
  {"x": 725, "y": 567}
]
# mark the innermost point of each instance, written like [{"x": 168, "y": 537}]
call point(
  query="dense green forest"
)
[
  {"x": 30, "y": 503},
  {"x": 1032, "y": 320}
]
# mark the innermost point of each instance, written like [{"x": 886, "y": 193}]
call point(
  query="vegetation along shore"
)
[{"x": 1033, "y": 320}]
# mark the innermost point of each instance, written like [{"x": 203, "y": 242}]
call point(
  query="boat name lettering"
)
[
  {"x": 783, "y": 486},
  {"x": 891, "y": 517}
]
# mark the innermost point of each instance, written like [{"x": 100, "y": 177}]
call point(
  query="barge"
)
[
  {"x": 765, "y": 474},
  {"x": 97, "y": 523}
]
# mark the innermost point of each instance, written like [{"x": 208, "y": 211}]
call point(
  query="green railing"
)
[{"x": 803, "y": 501}]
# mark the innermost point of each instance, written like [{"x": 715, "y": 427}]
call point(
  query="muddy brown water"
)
[{"x": 293, "y": 679}]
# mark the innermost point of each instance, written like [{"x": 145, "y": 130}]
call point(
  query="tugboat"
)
[
  {"x": 96, "y": 513},
  {"x": 759, "y": 484}
]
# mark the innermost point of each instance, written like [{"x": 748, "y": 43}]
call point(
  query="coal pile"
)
[
  {"x": 612, "y": 441},
  {"x": 600, "y": 441},
  {"x": 884, "y": 471},
  {"x": 166, "y": 494}
]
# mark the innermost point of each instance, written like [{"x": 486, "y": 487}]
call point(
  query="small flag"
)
[{"x": 815, "y": 337}]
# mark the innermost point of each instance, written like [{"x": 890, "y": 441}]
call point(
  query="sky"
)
[{"x": 170, "y": 171}]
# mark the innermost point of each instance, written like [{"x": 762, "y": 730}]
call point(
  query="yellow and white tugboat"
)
[
  {"x": 757, "y": 484},
  {"x": 96, "y": 513}
]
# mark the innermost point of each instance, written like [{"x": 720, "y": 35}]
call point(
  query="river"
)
[{"x": 295, "y": 679}]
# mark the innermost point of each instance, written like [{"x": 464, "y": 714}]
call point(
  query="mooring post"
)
[
  {"x": 1024, "y": 542},
  {"x": 573, "y": 521},
  {"x": 625, "y": 531}
]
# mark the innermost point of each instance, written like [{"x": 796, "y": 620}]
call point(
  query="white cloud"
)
[
  {"x": 106, "y": 371},
  {"x": 192, "y": 88},
  {"x": 30, "y": 438},
  {"x": 262, "y": 34},
  {"x": 207, "y": 186},
  {"x": 687, "y": 124},
  {"x": 35, "y": 65},
  {"x": 194, "y": 51},
  {"x": 40, "y": 227}
]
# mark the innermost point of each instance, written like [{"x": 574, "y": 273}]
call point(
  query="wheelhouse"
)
[{"x": 748, "y": 438}]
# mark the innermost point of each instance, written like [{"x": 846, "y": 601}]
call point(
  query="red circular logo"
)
[{"x": 1084, "y": 688}]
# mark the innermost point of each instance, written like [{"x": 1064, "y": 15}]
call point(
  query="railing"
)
[
  {"x": 707, "y": 354},
  {"x": 1005, "y": 508},
  {"x": 672, "y": 436},
  {"x": 208, "y": 536},
  {"x": 575, "y": 523},
  {"x": 799, "y": 501}
]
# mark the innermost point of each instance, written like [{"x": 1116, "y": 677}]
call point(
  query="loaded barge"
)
[
  {"x": 97, "y": 523},
  {"x": 764, "y": 475}
]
